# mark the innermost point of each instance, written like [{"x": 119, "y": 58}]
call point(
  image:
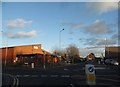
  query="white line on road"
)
[
  {"x": 109, "y": 79},
  {"x": 100, "y": 68},
  {"x": 65, "y": 76},
  {"x": 17, "y": 81},
  {"x": 26, "y": 75},
  {"x": 72, "y": 85},
  {"x": 43, "y": 76},
  {"x": 109, "y": 75},
  {"x": 53, "y": 75},
  {"x": 34, "y": 76},
  {"x": 65, "y": 69}
]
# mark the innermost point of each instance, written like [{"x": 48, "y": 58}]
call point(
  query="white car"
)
[{"x": 111, "y": 62}]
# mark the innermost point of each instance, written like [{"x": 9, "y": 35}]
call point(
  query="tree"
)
[{"x": 72, "y": 52}]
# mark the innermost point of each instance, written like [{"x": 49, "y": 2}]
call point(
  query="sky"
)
[{"x": 88, "y": 25}]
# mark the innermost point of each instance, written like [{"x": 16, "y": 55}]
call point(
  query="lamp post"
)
[{"x": 60, "y": 43}]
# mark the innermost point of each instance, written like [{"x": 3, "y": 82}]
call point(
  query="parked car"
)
[{"x": 111, "y": 62}]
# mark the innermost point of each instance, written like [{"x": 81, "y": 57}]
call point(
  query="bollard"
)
[
  {"x": 90, "y": 74},
  {"x": 32, "y": 65}
]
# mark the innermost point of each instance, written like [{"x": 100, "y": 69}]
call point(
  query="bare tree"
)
[{"x": 72, "y": 52}]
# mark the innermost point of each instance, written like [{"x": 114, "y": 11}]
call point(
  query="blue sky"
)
[{"x": 85, "y": 24}]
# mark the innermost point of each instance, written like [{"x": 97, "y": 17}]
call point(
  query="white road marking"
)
[
  {"x": 53, "y": 75},
  {"x": 17, "y": 81},
  {"x": 72, "y": 85},
  {"x": 34, "y": 76},
  {"x": 109, "y": 75},
  {"x": 97, "y": 68},
  {"x": 43, "y": 76},
  {"x": 100, "y": 68},
  {"x": 26, "y": 75},
  {"x": 109, "y": 79},
  {"x": 18, "y": 75},
  {"x": 65, "y": 69},
  {"x": 65, "y": 76}
]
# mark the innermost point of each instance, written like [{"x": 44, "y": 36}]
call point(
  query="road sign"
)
[
  {"x": 90, "y": 74},
  {"x": 89, "y": 69}
]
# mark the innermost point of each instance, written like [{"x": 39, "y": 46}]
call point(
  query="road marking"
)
[
  {"x": 25, "y": 75},
  {"x": 53, "y": 75},
  {"x": 109, "y": 75},
  {"x": 18, "y": 75},
  {"x": 109, "y": 79},
  {"x": 65, "y": 69},
  {"x": 100, "y": 68},
  {"x": 13, "y": 82},
  {"x": 65, "y": 76},
  {"x": 97, "y": 68},
  {"x": 43, "y": 76},
  {"x": 34, "y": 76},
  {"x": 17, "y": 81},
  {"x": 72, "y": 85}
]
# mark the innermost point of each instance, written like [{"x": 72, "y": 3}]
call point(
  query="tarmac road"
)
[{"x": 67, "y": 75}]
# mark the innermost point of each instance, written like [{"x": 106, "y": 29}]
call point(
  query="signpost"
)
[
  {"x": 32, "y": 65},
  {"x": 90, "y": 74}
]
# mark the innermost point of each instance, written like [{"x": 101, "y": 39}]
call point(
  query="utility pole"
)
[{"x": 6, "y": 49}]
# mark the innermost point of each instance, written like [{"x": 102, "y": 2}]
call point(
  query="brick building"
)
[
  {"x": 26, "y": 54},
  {"x": 113, "y": 52}
]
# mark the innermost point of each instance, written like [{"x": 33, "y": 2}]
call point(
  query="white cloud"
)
[
  {"x": 18, "y": 23},
  {"x": 99, "y": 43},
  {"x": 106, "y": 42},
  {"x": 60, "y": 0},
  {"x": 75, "y": 25},
  {"x": 102, "y": 7},
  {"x": 98, "y": 27},
  {"x": 116, "y": 36},
  {"x": 22, "y": 34}
]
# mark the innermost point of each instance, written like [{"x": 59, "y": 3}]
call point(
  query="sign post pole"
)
[{"x": 32, "y": 65}]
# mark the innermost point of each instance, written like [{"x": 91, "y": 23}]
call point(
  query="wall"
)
[
  {"x": 8, "y": 56},
  {"x": 29, "y": 49}
]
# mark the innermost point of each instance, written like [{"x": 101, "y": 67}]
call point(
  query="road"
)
[{"x": 72, "y": 75}]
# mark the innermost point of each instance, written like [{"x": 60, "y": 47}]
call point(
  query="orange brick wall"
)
[
  {"x": 27, "y": 49},
  {"x": 8, "y": 56},
  {"x": 31, "y": 49}
]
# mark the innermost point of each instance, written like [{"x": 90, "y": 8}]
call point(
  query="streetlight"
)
[
  {"x": 6, "y": 51},
  {"x": 60, "y": 43},
  {"x": 107, "y": 47}
]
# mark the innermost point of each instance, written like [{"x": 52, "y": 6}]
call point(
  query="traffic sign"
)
[
  {"x": 89, "y": 69},
  {"x": 90, "y": 74}
]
